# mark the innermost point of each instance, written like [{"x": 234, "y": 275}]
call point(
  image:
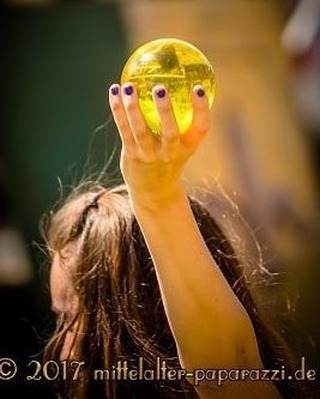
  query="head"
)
[{"x": 106, "y": 295}]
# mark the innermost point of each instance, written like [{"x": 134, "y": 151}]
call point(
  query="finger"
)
[
  {"x": 138, "y": 126},
  {"x": 170, "y": 135},
  {"x": 120, "y": 117},
  {"x": 201, "y": 119}
]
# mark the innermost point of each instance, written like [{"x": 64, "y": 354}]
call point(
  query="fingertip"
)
[
  {"x": 201, "y": 121},
  {"x": 168, "y": 122},
  {"x": 128, "y": 89},
  {"x": 200, "y": 99},
  {"x": 199, "y": 92},
  {"x": 159, "y": 92},
  {"x": 114, "y": 89}
]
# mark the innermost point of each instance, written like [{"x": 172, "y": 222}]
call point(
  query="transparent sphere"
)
[{"x": 177, "y": 65}]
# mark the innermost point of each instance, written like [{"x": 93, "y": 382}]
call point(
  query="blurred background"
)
[{"x": 263, "y": 154}]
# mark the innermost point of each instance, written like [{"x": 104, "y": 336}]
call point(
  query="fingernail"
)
[
  {"x": 201, "y": 92},
  {"x": 128, "y": 90},
  {"x": 115, "y": 91},
  {"x": 161, "y": 93}
]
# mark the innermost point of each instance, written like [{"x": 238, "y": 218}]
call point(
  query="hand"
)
[{"x": 152, "y": 165}]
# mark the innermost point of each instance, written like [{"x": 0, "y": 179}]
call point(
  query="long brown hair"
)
[{"x": 120, "y": 313}]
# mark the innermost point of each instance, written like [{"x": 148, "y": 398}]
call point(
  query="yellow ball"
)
[{"x": 177, "y": 65}]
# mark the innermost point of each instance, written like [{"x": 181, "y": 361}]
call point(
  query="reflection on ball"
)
[{"x": 176, "y": 64}]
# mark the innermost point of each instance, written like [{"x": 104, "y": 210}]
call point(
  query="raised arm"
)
[{"x": 210, "y": 326}]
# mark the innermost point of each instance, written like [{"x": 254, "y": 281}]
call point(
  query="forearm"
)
[{"x": 205, "y": 316}]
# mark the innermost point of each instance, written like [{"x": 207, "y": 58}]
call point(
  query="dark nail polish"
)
[
  {"x": 128, "y": 90},
  {"x": 115, "y": 91},
  {"x": 201, "y": 92},
  {"x": 161, "y": 93}
]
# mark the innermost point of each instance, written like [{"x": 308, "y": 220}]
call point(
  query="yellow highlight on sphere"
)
[{"x": 176, "y": 64}]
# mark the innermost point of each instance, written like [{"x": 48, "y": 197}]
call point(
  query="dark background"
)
[{"x": 56, "y": 64}]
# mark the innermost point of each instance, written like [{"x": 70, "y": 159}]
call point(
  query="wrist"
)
[{"x": 158, "y": 202}]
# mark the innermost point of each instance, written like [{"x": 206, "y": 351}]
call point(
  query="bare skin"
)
[{"x": 210, "y": 326}]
